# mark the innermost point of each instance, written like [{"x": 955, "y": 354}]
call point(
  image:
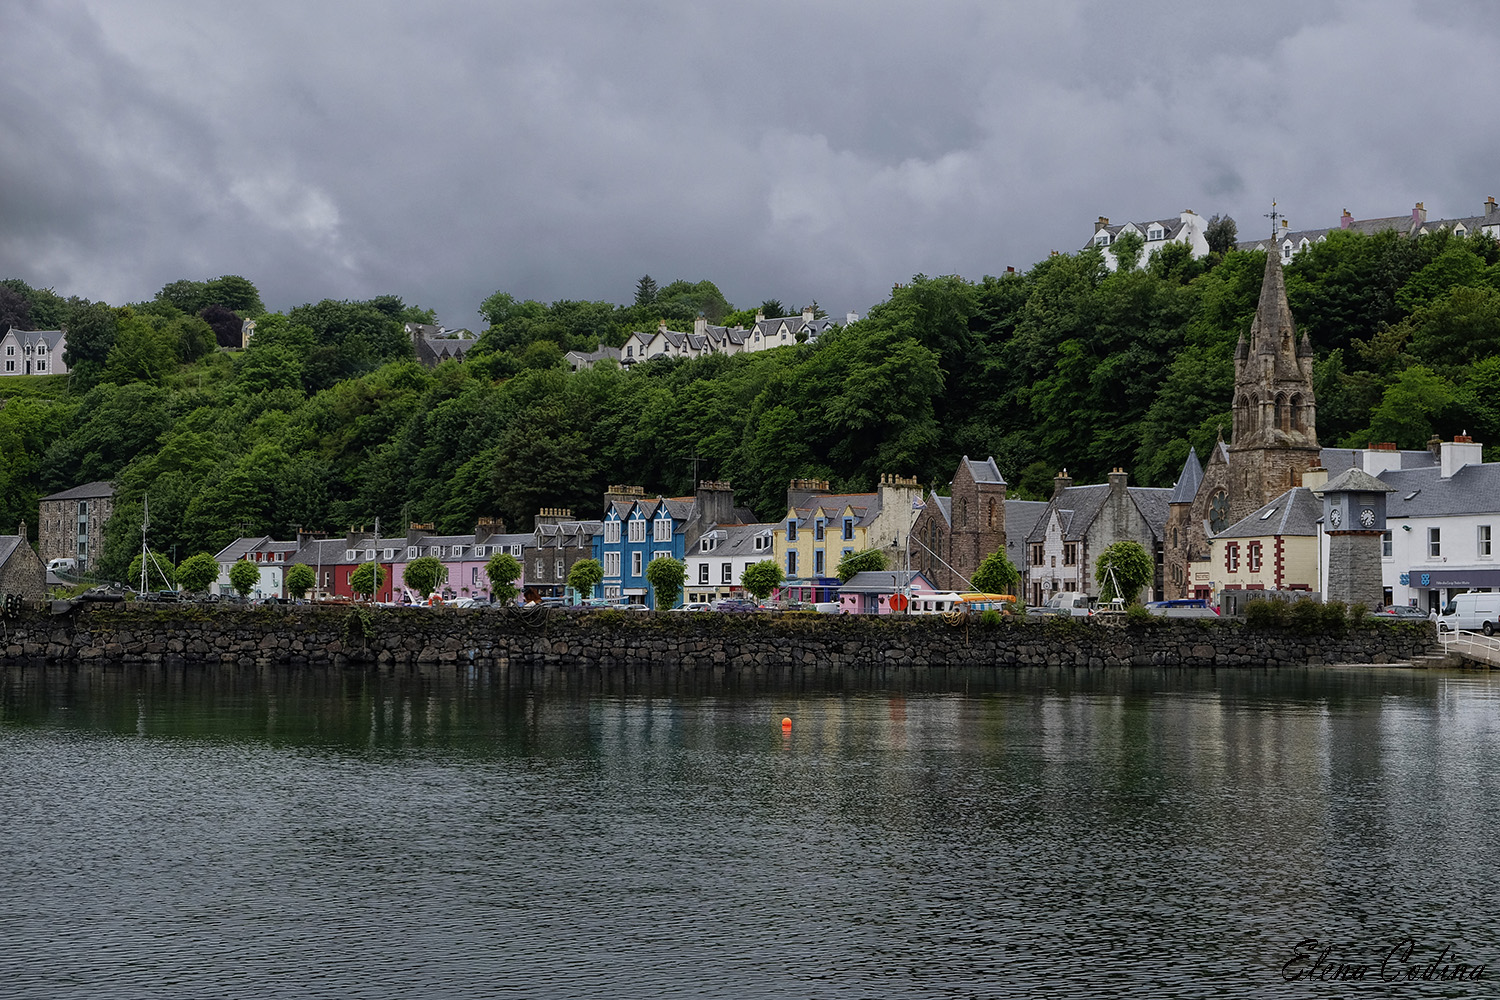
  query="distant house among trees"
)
[
  {"x": 1291, "y": 242},
  {"x": 1187, "y": 228},
  {"x": 434, "y": 344},
  {"x": 33, "y": 352}
]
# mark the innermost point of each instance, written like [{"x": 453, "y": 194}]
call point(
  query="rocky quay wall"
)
[{"x": 555, "y": 640}]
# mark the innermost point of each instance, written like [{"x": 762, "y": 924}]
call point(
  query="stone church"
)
[{"x": 1273, "y": 440}]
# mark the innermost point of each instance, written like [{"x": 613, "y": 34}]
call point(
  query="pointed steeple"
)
[{"x": 1189, "y": 480}]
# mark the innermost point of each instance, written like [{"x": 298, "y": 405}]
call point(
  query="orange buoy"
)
[{"x": 786, "y": 724}]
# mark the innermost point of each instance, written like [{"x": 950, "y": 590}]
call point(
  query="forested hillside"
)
[{"x": 326, "y": 421}]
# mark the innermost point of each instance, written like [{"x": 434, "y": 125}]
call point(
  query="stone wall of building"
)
[{"x": 555, "y": 639}]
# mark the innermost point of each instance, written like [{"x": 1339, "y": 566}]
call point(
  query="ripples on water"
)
[{"x": 191, "y": 834}]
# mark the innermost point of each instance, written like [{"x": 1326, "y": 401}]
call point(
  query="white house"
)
[
  {"x": 1187, "y": 228},
  {"x": 714, "y": 566},
  {"x": 33, "y": 352},
  {"x": 270, "y": 557},
  {"x": 1442, "y": 518}
]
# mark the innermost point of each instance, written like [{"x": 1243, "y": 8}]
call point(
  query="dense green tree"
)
[
  {"x": 1127, "y": 249},
  {"x": 1122, "y": 569},
  {"x": 585, "y": 575},
  {"x": 996, "y": 574},
  {"x": 503, "y": 570},
  {"x": 761, "y": 578},
  {"x": 244, "y": 576},
  {"x": 91, "y": 334},
  {"x": 300, "y": 578},
  {"x": 425, "y": 575},
  {"x": 160, "y": 574},
  {"x": 1221, "y": 233},
  {"x": 665, "y": 575},
  {"x": 645, "y": 291},
  {"x": 367, "y": 579},
  {"x": 864, "y": 561},
  {"x": 198, "y": 571}
]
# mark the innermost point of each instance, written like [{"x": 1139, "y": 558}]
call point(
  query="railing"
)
[{"x": 1472, "y": 646}]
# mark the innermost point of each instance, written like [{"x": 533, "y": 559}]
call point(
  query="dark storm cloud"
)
[{"x": 797, "y": 151}]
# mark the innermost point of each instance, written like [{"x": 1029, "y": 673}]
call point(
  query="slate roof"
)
[
  {"x": 1188, "y": 480},
  {"x": 1339, "y": 460},
  {"x": 1356, "y": 481},
  {"x": 984, "y": 472},
  {"x": 8, "y": 545},
  {"x": 87, "y": 491},
  {"x": 1022, "y": 517},
  {"x": 1153, "y": 503},
  {"x": 1473, "y": 489},
  {"x": 52, "y": 338},
  {"x": 865, "y": 505},
  {"x": 1295, "y": 512}
]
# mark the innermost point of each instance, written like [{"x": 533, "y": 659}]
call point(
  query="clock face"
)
[
  {"x": 1367, "y": 518},
  {"x": 1218, "y": 512},
  {"x": 1335, "y": 517}
]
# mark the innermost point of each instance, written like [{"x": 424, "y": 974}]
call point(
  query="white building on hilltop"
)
[{"x": 1188, "y": 228}]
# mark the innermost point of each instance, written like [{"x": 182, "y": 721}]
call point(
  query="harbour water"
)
[{"x": 186, "y": 833}]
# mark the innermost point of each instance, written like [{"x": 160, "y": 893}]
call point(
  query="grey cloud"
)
[{"x": 800, "y": 151}]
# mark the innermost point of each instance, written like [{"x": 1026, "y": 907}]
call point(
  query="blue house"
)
[{"x": 636, "y": 531}]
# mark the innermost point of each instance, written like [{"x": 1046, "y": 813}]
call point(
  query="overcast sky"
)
[{"x": 801, "y": 150}]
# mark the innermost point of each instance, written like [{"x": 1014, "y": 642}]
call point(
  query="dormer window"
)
[
  {"x": 1155, "y": 233},
  {"x": 1286, "y": 251},
  {"x": 1459, "y": 230},
  {"x": 411, "y": 552},
  {"x": 1101, "y": 238}
]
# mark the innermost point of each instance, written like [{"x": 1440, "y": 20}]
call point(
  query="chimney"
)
[
  {"x": 1009, "y": 269},
  {"x": 798, "y": 490},
  {"x": 1118, "y": 480},
  {"x": 1459, "y": 452},
  {"x": 851, "y": 318},
  {"x": 760, "y": 316},
  {"x": 1346, "y": 221},
  {"x": 487, "y": 526},
  {"x": 1418, "y": 215},
  {"x": 714, "y": 504},
  {"x": 1103, "y": 223},
  {"x": 623, "y": 494},
  {"x": 807, "y": 314},
  {"x": 1315, "y": 478},
  {"x": 1435, "y": 445},
  {"x": 661, "y": 326},
  {"x": 1380, "y": 457},
  {"x": 1489, "y": 206},
  {"x": 1060, "y": 482},
  {"x": 700, "y": 326}
]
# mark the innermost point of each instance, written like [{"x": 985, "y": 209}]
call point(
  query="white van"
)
[
  {"x": 63, "y": 565},
  {"x": 1471, "y": 612},
  {"x": 1070, "y": 602}
]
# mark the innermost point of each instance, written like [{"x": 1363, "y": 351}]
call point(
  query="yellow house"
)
[
  {"x": 1274, "y": 548},
  {"x": 811, "y": 540}
]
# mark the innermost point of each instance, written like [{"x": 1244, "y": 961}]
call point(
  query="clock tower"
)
[{"x": 1354, "y": 520}]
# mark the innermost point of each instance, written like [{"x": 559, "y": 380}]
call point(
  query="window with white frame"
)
[
  {"x": 515, "y": 550},
  {"x": 661, "y": 554},
  {"x": 762, "y": 542},
  {"x": 1385, "y": 544},
  {"x": 702, "y": 573},
  {"x": 635, "y": 564},
  {"x": 1101, "y": 238},
  {"x": 612, "y": 564},
  {"x": 411, "y": 552},
  {"x": 41, "y": 366},
  {"x": 1155, "y": 233},
  {"x": 349, "y": 555},
  {"x": 637, "y": 529},
  {"x": 1484, "y": 541},
  {"x": 557, "y": 567},
  {"x": 390, "y": 553},
  {"x": 661, "y": 529},
  {"x": 540, "y": 567},
  {"x": 1434, "y": 543},
  {"x": 611, "y": 532},
  {"x": 458, "y": 550}
]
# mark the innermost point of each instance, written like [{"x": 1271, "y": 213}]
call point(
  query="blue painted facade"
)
[{"x": 634, "y": 534}]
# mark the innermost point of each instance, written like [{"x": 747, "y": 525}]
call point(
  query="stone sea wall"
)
[{"x": 553, "y": 640}]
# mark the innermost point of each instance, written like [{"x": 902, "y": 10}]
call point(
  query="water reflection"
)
[{"x": 179, "y": 832}]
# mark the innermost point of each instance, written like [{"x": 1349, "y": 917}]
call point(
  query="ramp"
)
[{"x": 1472, "y": 646}]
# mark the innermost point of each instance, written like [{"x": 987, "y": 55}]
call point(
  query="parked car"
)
[
  {"x": 1182, "y": 607},
  {"x": 1401, "y": 613},
  {"x": 695, "y": 606},
  {"x": 735, "y": 605}
]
